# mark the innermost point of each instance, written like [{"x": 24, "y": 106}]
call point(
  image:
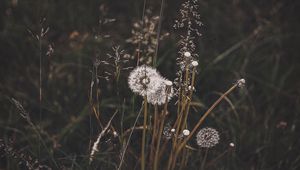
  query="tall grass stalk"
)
[
  {"x": 144, "y": 133},
  {"x": 158, "y": 31}
]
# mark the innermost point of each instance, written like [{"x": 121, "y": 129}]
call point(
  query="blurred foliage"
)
[{"x": 257, "y": 40}]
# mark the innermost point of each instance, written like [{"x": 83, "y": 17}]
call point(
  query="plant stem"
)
[{"x": 144, "y": 134}]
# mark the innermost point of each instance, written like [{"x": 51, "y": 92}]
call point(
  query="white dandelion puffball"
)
[
  {"x": 163, "y": 93},
  {"x": 207, "y": 137},
  {"x": 143, "y": 80}
]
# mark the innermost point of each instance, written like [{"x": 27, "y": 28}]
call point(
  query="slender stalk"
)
[
  {"x": 184, "y": 158},
  {"x": 158, "y": 31},
  {"x": 144, "y": 134},
  {"x": 154, "y": 134},
  {"x": 204, "y": 159},
  {"x": 182, "y": 116},
  {"x": 189, "y": 99},
  {"x": 40, "y": 81},
  {"x": 128, "y": 141},
  {"x": 143, "y": 23}
]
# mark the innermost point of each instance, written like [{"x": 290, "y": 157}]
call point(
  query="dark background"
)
[{"x": 254, "y": 39}]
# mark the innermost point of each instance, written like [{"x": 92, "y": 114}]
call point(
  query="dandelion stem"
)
[
  {"x": 144, "y": 133},
  {"x": 154, "y": 132}
]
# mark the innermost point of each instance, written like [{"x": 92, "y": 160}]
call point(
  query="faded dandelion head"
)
[
  {"x": 207, "y": 137},
  {"x": 163, "y": 93},
  {"x": 146, "y": 81},
  {"x": 143, "y": 80},
  {"x": 167, "y": 132}
]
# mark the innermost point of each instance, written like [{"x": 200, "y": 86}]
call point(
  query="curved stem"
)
[{"x": 202, "y": 119}]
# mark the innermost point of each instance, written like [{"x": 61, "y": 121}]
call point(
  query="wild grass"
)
[{"x": 66, "y": 102}]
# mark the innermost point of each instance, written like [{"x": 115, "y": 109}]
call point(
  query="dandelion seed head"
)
[
  {"x": 207, "y": 137},
  {"x": 166, "y": 132},
  {"x": 163, "y": 93},
  {"x": 173, "y": 130},
  {"x": 143, "y": 80}
]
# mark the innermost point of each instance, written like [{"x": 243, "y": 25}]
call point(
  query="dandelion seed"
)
[{"x": 207, "y": 137}]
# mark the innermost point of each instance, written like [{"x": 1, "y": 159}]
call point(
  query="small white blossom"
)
[
  {"x": 186, "y": 132},
  {"x": 191, "y": 88},
  {"x": 115, "y": 134},
  {"x": 187, "y": 54},
  {"x": 241, "y": 83},
  {"x": 169, "y": 83},
  {"x": 195, "y": 63}
]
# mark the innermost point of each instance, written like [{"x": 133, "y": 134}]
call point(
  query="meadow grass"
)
[{"x": 66, "y": 102}]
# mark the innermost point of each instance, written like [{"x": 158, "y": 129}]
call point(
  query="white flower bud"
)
[
  {"x": 241, "y": 83},
  {"x": 169, "y": 83},
  {"x": 191, "y": 88},
  {"x": 195, "y": 63},
  {"x": 187, "y": 54},
  {"x": 115, "y": 134},
  {"x": 186, "y": 132}
]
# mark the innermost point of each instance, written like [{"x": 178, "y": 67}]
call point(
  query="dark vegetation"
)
[{"x": 251, "y": 39}]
